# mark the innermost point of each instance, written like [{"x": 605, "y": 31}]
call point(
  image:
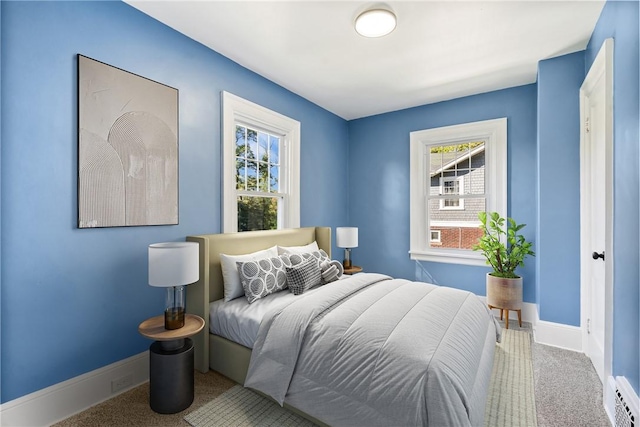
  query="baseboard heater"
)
[{"x": 626, "y": 409}]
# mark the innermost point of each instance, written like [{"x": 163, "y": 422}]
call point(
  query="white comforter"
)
[{"x": 376, "y": 351}]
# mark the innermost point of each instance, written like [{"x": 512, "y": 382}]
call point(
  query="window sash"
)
[
  {"x": 494, "y": 133},
  {"x": 451, "y": 197},
  {"x": 237, "y": 110}
]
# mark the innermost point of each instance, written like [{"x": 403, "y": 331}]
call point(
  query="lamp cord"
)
[{"x": 426, "y": 272}]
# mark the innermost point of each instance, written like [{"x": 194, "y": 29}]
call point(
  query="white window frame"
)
[
  {"x": 460, "y": 180},
  {"x": 437, "y": 239},
  {"x": 494, "y": 133},
  {"x": 238, "y": 110}
]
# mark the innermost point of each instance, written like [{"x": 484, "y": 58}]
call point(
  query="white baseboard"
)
[
  {"x": 59, "y": 401},
  {"x": 554, "y": 334},
  {"x": 609, "y": 398},
  {"x": 558, "y": 335}
]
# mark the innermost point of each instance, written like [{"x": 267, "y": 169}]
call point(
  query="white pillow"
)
[
  {"x": 311, "y": 247},
  {"x": 232, "y": 285}
]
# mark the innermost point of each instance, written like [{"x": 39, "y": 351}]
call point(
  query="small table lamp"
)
[
  {"x": 173, "y": 265},
  {"x": 347, "y": 238}
]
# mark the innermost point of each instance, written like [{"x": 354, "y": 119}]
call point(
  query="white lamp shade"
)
[
  {"x": 347, "y": 237},
  {"x": 173, "y": 264}
]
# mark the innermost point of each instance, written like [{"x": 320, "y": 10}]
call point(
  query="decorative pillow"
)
[
  {"x": 232, "y": 286},
  {"x": 263, "y": 277},
  {"x": 331, "y": 270},
  {"x": 303, "y": 276},
  {"x": 311, "y": 247},
  {"x": 319, "y": 256}
]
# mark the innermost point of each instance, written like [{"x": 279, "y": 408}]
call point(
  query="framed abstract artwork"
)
[{"x": 127, "y": 148}]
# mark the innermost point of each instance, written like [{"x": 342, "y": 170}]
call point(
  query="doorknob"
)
[{"x": 596, "y": 255}]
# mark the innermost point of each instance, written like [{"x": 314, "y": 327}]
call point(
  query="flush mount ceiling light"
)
[{"x": 375, "y": 23}]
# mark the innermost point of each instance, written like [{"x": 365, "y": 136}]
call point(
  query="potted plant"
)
[{"x": 504, "y": 250}]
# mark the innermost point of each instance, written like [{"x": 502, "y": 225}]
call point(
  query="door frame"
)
[{"x": 602, "y": 67}]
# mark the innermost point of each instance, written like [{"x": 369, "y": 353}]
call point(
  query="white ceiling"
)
[{"x": 439, "y": 50}]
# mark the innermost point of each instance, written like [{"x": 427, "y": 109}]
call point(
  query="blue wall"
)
[
  {"x": 619, "y": 20},
  {"x": 558, "y": 230},
  {"x": 379, "y": 182},
  {"x": 72, "y": 299}
]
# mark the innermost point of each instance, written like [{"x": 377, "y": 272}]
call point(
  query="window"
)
[
  {"x": 451, "y": 185},
  {"x": 456, "y": 172},
  {"x": 261, "y": 173}
]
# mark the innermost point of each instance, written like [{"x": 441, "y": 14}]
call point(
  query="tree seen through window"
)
[{"x": 257, "y": 179}]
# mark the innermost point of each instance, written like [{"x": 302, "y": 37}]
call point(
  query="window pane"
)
[
  {"x": 476, "y": 180},
  {"x": 252, "y": 140},
  {"x": 457, "y": 160},
  {"x": 240, "y": 174},
  {"x": 257, "y": 213},
  {"x": 263, "y": 147},
  {"x": 459, "y": 229},
  {"x": 274, "y": 183},
  {"x": 241, "y": 141},
  {"x": 274, "y": 150},
  {"x": 252, "y": 175}
]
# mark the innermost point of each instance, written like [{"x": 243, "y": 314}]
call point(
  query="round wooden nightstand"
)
[
  {"x": 154, "y": 328},
  {"x": 352, "y": 270},
  {"x": 171, "y": 363}
]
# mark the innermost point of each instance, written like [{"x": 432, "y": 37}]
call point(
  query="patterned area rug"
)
[
  {"x": 241, "y": 407},
  {"x": 510, "y": 403},
  {"x": 511, "y": 397}
]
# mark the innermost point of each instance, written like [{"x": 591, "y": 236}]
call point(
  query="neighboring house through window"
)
[
  {"x": 451, "y": 185},
  {"x": 456, "y": 172},
  {"x": 261, "y": 172}
]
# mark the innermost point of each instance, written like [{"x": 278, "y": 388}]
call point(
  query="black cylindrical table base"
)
[{"x": 171, "y": 376}]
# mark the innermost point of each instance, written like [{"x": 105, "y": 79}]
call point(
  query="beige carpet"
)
[
  {"x": 510, "y": 402},
  {"x": 132, "y": 407}
]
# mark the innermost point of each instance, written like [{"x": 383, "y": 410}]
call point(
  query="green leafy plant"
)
[{"x": 502, "y": 257}]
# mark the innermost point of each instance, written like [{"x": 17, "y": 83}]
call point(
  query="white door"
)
[
  {"x": 596, "y": 211},
  {"x": 596, "y": 224}
]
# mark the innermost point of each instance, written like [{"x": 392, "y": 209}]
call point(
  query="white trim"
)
[
  {"x": 236, "y": 109},
  {"x": 494, "y": 133},
  {"x": 455, "y": 224},
  {"x": 602, "y": 67},
  {"x": 450, "y": 256},
  {"x": 437, "y": 239},
  {"x": 609, "y": 398},
  {"x": 558, "y": 335},
  {"x": 60, "y": 401},
  {"x": 548, "y": 333}
]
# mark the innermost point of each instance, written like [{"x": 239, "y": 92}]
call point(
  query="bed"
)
[{"x": 366, "y": 350}]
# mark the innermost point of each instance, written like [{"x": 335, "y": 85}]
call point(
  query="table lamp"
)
[
  {"x": 347, "y": 238},
  {"x": 172, "y": 266}
]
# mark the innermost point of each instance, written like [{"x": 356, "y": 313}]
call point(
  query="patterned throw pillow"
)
[
  {"x": 319, "y": 256},
  {"x": 304, "y": 276},
  {"x": 263, "y": 277}
]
